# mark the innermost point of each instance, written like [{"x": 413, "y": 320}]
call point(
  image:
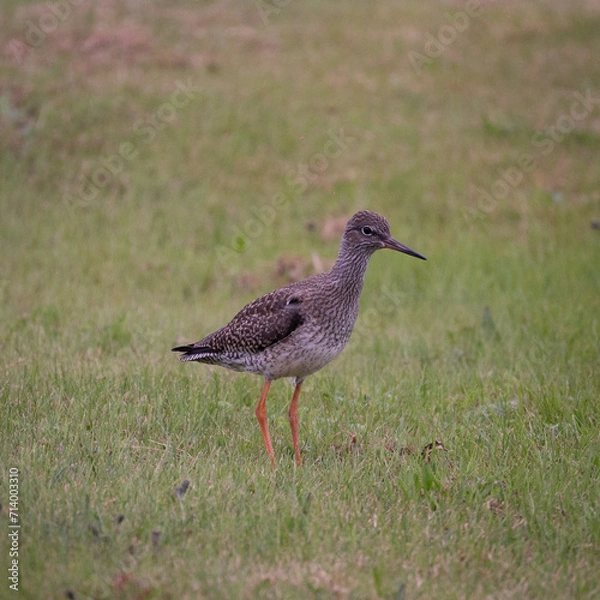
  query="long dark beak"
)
[{"x": 393, "y": 244}]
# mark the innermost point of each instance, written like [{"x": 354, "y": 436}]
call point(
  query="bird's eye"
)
[{"x": 367, "y": 230}]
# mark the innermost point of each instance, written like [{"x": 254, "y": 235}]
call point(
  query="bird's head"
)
[{"x": 368, "y": 231}]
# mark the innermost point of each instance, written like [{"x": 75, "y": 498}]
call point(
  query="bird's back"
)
[{"x": 292, "y": 331}]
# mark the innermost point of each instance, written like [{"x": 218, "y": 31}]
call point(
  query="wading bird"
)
[{"x": 296, "y": 330}]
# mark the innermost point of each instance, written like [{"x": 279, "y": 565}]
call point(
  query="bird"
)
[{"x": 295, "y": 330}]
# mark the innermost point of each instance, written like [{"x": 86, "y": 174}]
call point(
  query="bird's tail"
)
[{"x": 191, "y": 352}]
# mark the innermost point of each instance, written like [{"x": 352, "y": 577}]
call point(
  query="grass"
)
[{"x": 220, "y": 191}]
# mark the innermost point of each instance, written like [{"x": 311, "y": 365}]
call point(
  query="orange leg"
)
[
  {"x": 293, "y": 417},
  {"x": 261, "y": 415}
]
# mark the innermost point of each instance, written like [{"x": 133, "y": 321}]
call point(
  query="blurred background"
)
[{"x": 162, "y": 153}]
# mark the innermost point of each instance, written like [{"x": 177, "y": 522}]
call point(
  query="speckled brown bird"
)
[{"x": 296, "y": 330}]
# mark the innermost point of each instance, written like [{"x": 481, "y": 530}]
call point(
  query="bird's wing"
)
[{"x": 260, "y": 324}]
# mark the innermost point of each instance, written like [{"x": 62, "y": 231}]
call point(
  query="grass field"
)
[{"x": 163, "y": 163}]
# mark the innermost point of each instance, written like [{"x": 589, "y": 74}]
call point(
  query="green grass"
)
[{"x": 491, "y": 346}]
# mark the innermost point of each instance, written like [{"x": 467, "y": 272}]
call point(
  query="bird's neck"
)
[{"x": 350, "y": 267}]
